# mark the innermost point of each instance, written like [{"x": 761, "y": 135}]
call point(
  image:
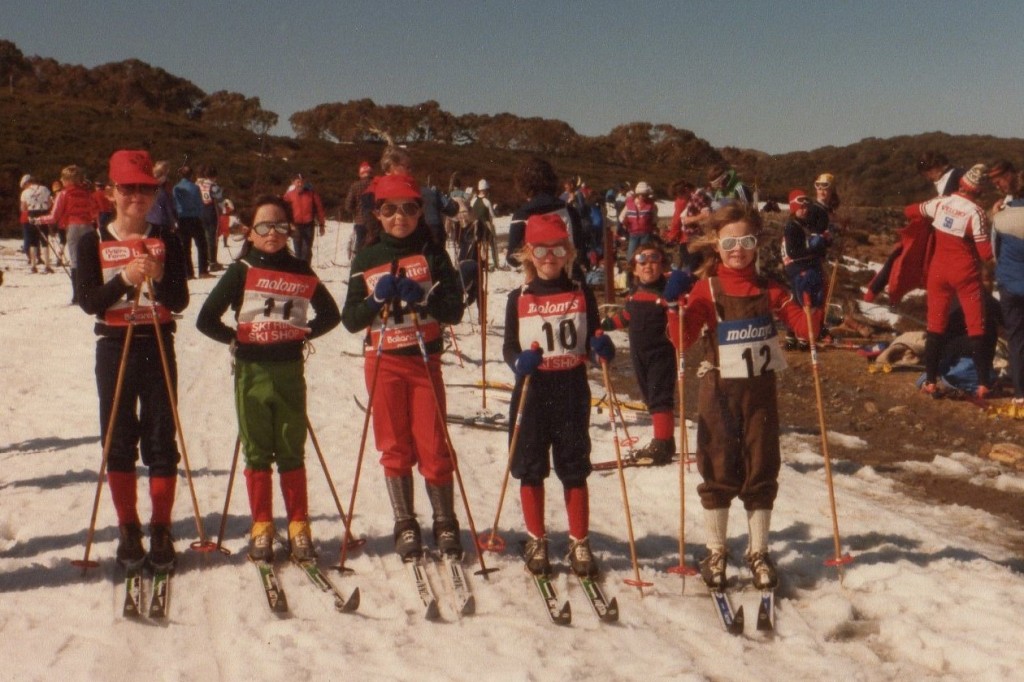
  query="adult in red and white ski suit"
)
[{"x": 961, "y": 243}]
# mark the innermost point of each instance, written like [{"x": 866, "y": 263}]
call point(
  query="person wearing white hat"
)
[
  {"x": 483, "y": 213},
  {"x": 640, "y": 218},
  {"x": 36, "y": 201}
]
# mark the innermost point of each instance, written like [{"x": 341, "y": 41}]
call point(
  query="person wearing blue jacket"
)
[
  {"x": 1008, "y": 246},
  {"x": 188, "y": 204}
]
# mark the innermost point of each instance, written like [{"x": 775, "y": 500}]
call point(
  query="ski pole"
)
[
  {"x": 629, "y": 441},
  {"x": 227, "y": 496},
  {"x": 481, "y": 285},
  {"x": 49, "y": 248},
  {"x": 636, "y": 581},
  {"x": 839, "y": 559},
  {"x": 84, "y": 563},
  {"x": 448, "y": 442},
  {"x": 203, "y": 544},
  {"x": 682, "y": 569},
  {"x": 330, "y": 483},
  {"x": 362, "y": 438},
  {"x": 494, "y": 543},
  {"x": 455, "y": 342}
]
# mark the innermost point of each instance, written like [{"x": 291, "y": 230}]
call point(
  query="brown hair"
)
[
  {"x": 395, "y": 156},
  {"x": 536, "y": 176},
  {"x": 72, "y": 174},
  {"x": 736, "y": 212}
]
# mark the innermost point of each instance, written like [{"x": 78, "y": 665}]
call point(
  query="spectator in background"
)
[
  {"x": 691, "y": 208},
  {"x": 36, "y": 201},
  {"x": 1004, "y": 176},
  {"x": 162, "y": 212},
  {"x": 437, "y": 207},
  {"x": 26, "y": 226},
  {"x": 362, "y": 213},
  {"x": 821, "y": 212},
  {"x": 1008, "y": 247},
  {"x": 640, "y": 218},
  {"x": 104, "y": 208},
  {"x": 483, "y": 214},
  {"x": 188, "y": 204},
  {"x": 307, "y": 212},
  {"x": 961, "y": 234},
  {"x": 725, "y": 187},
  {"x": 537, "y": 183},
  {"x": 935, "y": 168},
  {"x": 75, "y": 212},
  {"x": 212, "y": 196}
]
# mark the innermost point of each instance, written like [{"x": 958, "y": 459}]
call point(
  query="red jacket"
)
[
  {"x": 306, "y": 205},
  {"x": 74, "y": 206}
]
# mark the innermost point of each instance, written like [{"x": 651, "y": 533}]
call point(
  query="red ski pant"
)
[
  {"x": 965, "y": 284},
  {"x": 405, "y": 422}
]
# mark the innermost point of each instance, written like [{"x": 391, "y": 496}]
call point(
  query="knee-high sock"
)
[
  {"x": 261, "y": 495},
  {"x": 532, "y": 498}
]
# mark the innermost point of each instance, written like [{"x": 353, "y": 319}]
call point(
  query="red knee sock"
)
[
  {"x": 125, "y": 495},
  {"x": 532, "y": 498},
  {"x": 293, "y": 487},
  {"x": 261, "y": 495},
  {"x": 577, "y": 506},
  {"x": 161, "y": 493},
  {"x": 664, "y": 424}
]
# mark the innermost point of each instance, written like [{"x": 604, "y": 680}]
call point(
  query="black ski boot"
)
[
  {"x": 659, "y": 451},
  {"x": 446, "y": 526},
  {"x": 408, "y": 543},
  {"x": 130, "y": 553},
  {"x": 161, "y": 546}
]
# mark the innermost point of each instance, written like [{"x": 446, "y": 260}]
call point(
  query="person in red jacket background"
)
[
  {"x": 307, "y": 209},
  {"x": 961, "y": 234},
  {"x": 74, "y": 211}
]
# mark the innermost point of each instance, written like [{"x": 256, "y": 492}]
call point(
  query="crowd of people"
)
[{"x": 135, "y": 235}]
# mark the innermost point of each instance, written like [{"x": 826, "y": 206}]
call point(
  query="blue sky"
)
[{"x": 779, "y": 76}]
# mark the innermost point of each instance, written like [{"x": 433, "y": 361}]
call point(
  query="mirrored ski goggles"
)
[
  {"x": 263, "y": 229},
  {"x": 409, "y": 209},
  {"x": 648, "y": 257},
  {"x": 556, "y": 251},
  {"x": 747, "y": 242}
]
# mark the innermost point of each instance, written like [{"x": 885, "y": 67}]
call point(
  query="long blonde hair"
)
[{"x": 736, "y": 212}]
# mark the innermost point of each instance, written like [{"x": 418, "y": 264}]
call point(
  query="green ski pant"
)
[{"x": 270, "y": 398}]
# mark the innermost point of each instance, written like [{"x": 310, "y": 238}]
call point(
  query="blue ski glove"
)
[
  {"x": 385, "y": 289},
  {"x": 810, "y": 285},
  {"x": 816, "y": 243},
  {"x": 528, "y": 361},
  {"x": 602, "y": 347},
  {"x": 410, "y": 291},
  {"x": 679, "y": 284}
]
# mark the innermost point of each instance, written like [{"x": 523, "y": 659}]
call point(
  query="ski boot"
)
[
  {"x": 301, "y": 541},
  {"x": 161, "y": 546},
  {"x": 446, "y": 526},
  {"x": 763, "y": 569},
  {"x": 408, "y": 543},
  {"x": 261, "y": 541},
  {"x": 712, "y": 569},
  {"x": 536, "y": 555},
  {"x": 581, "y": 559},
  {"x": 130, "y": 553},
  {"x": 659, "y": 451}
]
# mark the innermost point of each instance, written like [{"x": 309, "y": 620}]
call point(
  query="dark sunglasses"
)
[
  {"x": 128, "y": 190},
  {"x": 263, "y": 229},
  {"x": 556, "y": 251},
  {"x": 648, "y": 257},
  {"x": 406, "y": 208}
]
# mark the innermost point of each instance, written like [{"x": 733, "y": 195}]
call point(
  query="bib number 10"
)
[{"x": 567, "y": 335}]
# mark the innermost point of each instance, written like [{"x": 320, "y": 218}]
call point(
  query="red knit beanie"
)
[{"x": 797, "y": 199}]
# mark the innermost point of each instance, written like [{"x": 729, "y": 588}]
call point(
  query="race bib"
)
[
  {"x": 559, "y": 324},
  {"x": 275, "y": 306},
  {"x": 748, "y": 348},
  {"x": 401, "y": 331},
  {"x": 114, "y": 256}
]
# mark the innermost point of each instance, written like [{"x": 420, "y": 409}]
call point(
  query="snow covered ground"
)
[{"x": 934, "y": 592}]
